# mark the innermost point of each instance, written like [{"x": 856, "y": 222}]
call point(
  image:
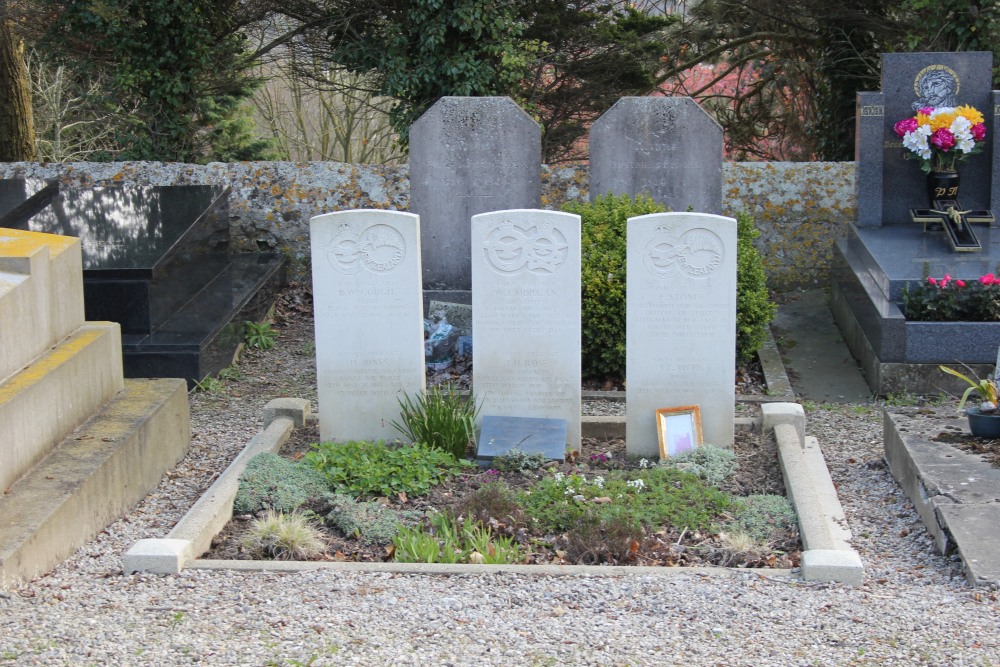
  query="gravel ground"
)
[{"x": 914, "y": 609}]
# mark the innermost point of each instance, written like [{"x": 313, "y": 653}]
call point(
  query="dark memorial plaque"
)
[{"x": 500, "y": 435}]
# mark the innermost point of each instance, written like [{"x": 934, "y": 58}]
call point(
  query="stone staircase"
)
[{"x": 79, "y": 444}]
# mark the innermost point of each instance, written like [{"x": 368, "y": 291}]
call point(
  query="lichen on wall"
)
[{"x": 800, "y": 208}]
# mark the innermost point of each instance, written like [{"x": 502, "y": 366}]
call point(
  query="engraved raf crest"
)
[
  {"x": 535, "y": 247},
  {"x": 697, "y": 253},
  {"x": 377, "y": 248}
]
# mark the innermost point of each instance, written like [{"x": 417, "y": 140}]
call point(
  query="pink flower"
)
[
  {"x": 978, "y": 131},
  {"x": 904, "y": 126},
  {"x": 988, "y": 279},
  {"x": 960, "y": 283},
  {"x": 943, "y": 139},
  {"x": 932, "y": 280},
  {"x": 927, "y": 111}
]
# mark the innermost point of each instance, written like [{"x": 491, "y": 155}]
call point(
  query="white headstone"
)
[
  {"x": 526, "y": 315},
  {"x": 369, "y": 320},
  {"x": 680, "y": 324}
]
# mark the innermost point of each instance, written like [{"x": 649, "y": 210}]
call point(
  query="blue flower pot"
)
[{"x": 984, "y": 425}]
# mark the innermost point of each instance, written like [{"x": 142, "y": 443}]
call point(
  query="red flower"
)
[
  {"x": 978, "y": 131},
  {"x": 960, "y": 283},
  {"x": 943, "y": 139},
  {"x": 905, "y": 125},
  {"x": 988, "y": 279},
  {"x": 932, "y": 280},
  {"x": 927, "y": 111}
]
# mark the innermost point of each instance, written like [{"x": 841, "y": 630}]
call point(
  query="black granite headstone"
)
[{"x": 156, "y": 260}]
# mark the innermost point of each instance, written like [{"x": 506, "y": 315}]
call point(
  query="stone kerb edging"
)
[
  {"x": 827, "y": 555},
  {"x": 192, "y": 536}
]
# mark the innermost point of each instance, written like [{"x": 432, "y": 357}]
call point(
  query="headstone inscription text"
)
[
  {"x": 369, "y": 320},
  {"x": 680, "y": 324},
  {"x": 526, "y": 315}
]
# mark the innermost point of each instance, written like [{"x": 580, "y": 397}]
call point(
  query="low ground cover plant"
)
[{"x": 617, "y": 511}]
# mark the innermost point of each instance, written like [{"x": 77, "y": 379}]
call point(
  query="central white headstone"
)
[
  {"x": 369, "y": 320},
  {"x": 526, "y": 315},
  {"x": 680, "y": 324}
]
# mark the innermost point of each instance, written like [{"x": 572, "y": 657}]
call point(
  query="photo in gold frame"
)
[{"x": 679, "y": 429}]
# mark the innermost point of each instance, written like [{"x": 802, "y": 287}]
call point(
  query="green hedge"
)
[{"x": 603, "y": 283}]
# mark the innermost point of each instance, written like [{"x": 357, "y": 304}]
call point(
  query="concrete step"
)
[
  {"x": 48, "y": 398},
  {"x": 92, "y": 477},
  {"x": 41, "y": 289}
]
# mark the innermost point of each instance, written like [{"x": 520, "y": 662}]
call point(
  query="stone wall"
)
[{"x": 800, "y": 208}]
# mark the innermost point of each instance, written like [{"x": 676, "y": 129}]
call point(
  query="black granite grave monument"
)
[
  {"x": 157, "y": 261},
  {"x": 886, "y": 250}
]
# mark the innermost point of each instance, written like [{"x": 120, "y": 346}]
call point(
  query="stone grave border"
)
[
  {"x": 827, "y": 554},
  {"x": 954, "y": 492}
]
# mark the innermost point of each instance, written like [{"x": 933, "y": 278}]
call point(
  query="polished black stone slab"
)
[
  {"x": 146, "y": 250},
  {"x": 23, "y": 197},
  {"x": 201, "y": 338},
  {"x": 157, "y": 260}
]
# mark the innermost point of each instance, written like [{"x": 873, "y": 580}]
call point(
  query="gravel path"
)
[{"x": 914, "y": 609}]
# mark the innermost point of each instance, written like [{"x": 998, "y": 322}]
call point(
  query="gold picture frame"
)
[{"x": 679, "y": 429}]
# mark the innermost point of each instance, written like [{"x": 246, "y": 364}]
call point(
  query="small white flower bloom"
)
[
  {"x": 599, "y": 482},
  {"x": 643, "y": 463},
  {"x": 558, "y": 477}
]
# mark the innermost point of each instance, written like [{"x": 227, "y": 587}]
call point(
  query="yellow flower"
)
[
  {"x": 923, "y": 119},
  {"x": 942, "y": 120},
  {"x": 971, "y": 113}
]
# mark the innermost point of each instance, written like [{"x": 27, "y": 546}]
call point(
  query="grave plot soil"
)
[
  {"x": 288, "y": 369},
  {"x": 758, "y": 472}
]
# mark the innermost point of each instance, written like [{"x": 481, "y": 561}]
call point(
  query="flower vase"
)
[
  {"x": 984, "y": 425},
  {"x": 942, "y": 186}
]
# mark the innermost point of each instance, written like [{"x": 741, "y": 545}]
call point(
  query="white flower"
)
[
  {"x": 637, "y": 484},
  {"x": 558, "y": 477},
  {"x": 917, "y": 141},
  {"x": 643, "y": 463},
  {"x": 599, "y": 482}
]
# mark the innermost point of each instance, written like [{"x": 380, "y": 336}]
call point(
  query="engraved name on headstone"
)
[
  {"x": 890, "y": 181},
  {"x": 664, "y": 147},
  {"x": 369, "y": 320},
  {"x": 526, "y": 315},
  {"x": 468, "y": 155},
  {"x": 680, "y": 324}
]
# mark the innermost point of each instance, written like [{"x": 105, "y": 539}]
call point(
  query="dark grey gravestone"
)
[
  {"x": 664, "y": 147},
  {"x": 468, "y": 155},
  {"x": 869, "y": 126},
  {"x": 499, "y": 435},
  {"x": 995, "y": 126},
  {"x": 910, "y": 81}
]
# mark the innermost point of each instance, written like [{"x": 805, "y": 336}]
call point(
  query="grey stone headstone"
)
[
  {"x": 994, "y": 125},
  {"x": 500, "y": 435},
  {"x": 468, "y": 155},
  {"x": 910, "y": 81},
  {"x": 664, "y": 147}
]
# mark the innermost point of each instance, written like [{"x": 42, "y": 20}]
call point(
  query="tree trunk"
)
[{"x": 17, "y": 133}]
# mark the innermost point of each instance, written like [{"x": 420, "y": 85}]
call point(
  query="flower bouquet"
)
[{"x": 942, "y": 136}]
